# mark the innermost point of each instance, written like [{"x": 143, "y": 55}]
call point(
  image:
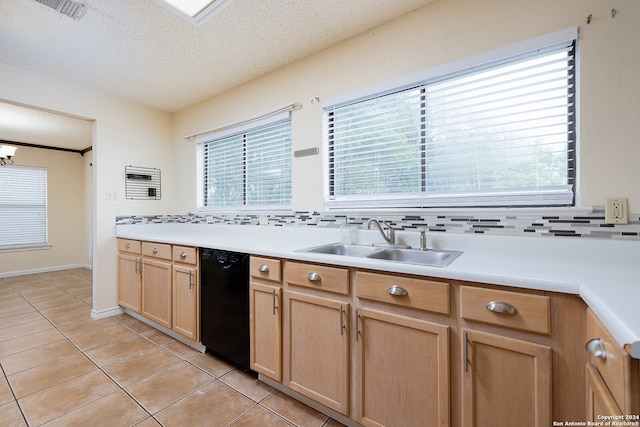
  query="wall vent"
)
[{"x": 66, "y": 7}]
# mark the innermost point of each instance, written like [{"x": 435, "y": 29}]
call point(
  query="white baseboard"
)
[
  {"x": 103, "y": 314},
  {"x": 44, "y": 270}
]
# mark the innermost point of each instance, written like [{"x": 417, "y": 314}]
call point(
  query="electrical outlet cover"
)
[{"x": 616, "y": 211}]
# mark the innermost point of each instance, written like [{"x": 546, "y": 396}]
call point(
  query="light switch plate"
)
[{"x": 616, "y": 211}]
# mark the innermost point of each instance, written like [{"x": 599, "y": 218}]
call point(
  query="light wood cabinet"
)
[
  {"x": 507, "y": 377},
  {"x": 186, "y": 292},
  {"x": 402, "y": 371},
  {"x": 317, "y": 349},
  {"x": 161, "y": 282},
  {"x": 130, "y": 274},
  {"x": 157, "y": 291},
  {"x": 613, "y": 379},
  {"x": 506, "y": 381},
  {"x": 265, "y": 322},
  {"x": 402, "y": 364}
]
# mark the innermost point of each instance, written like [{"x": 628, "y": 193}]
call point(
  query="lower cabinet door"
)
[
  {"x": 506, "y": 381},
  {"x": 156, "y": 291},
  {"x": 317, "y": 349},
  {"x": 265, "y": 330},
  {"x": 599, "y": 398},
  {"x": 186, "y": 304},
  {"x": 129, "y": 282},
  {"x": 403, "y": 371}
]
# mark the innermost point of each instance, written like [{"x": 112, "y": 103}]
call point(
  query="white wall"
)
[
  {"x": 124, "y": 133},
  {"x": 437, "y": 34}
]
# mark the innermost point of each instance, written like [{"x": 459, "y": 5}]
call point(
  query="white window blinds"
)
[
  {"x": 23, "y": 207},
  {"x": 502, "y": 134},
  {"x": 248, "y": 168}
]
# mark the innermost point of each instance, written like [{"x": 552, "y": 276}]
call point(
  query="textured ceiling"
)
[{"x": 138, "y": 50}]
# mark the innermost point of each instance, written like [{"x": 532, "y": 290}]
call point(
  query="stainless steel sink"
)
[
  {"x": 431, "y": 258},
  {"x": 343, "y": 249}
]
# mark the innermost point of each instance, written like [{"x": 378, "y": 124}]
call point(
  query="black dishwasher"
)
[{"x": 224, "y": 305}]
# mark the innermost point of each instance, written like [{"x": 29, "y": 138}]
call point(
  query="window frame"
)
[
  {"x": 41, "y": 208},
  {"x": 462, "y": 200},
  {"x": 227, "y": 132}
]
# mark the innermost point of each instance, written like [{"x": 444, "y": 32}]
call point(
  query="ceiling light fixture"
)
[
  {"x": 197, "y": 12},
  {"x": 6, "y": 153}
]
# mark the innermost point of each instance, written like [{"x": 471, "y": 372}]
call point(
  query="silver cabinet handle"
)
[
  {"x": 595, "y": 347},
  {"x": 190, "y": 279},
  {"x": 501, "y": 307},
  {"x": 341, "y": 320},
  {"x": 264, "y": 268},
  {"x": 313, "y": 277},
  {"x": 275, "y": 298},
  {"x": 183, "y": 254},
  {"x": 358, "y": 332},
  {"x": 397, "y": 291},
  {"x": 138, "y": 270},
  {"x": 465, "y": 352},
  {"x": 128, "y": 245},
  {"x": 154, "y": 250}
]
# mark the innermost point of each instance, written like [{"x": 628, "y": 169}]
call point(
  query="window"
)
[
  {"x": 499, "y": 134},
  {"x": 23, "y": 207},
  {"x": 249, "y": 167}
]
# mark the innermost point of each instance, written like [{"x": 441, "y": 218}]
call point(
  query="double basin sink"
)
[{"x": 428, "y": 258}]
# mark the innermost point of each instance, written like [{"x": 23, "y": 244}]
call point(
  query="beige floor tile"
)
[
  {"x": 150, "y": 422},
  {"x": 251, "y": 387},
  {"x": 119, "y": 350},
  {"x": 16, "y": 309},
  {"x": 35, "y": 379},
  {"x": 74, "y": 316},
  {"x": 180, "y": 349},
  {"x": 133, "y": 323},
  {"x": 210, "y": 364},
  {"x": 20, "y": 319},
  {"x": 28, "y": 342},
  {"x": 140, "y": 366},
  {"x": 333, "y": 423},
  {"x": 95, "y": 339},
  {"x": 37, "y": 356},
  {"x": 296, "y": 412},
  {"x": 168, "y": 386},
  {"x": 6, "y": 395},
  {"x": 11, "y": 415},
  {"x": 53, "y": 402},
  {"x": 213, "y": 405},
  {"x": 156, "y": 336},
  {"x": 45, "y": 303},
  {"x": 260, "y": 417},
  {"x": 23, "y": 279},
  {"x": 114, "y": 410},
  {"x": 86, "y": 326},
  {"x": 24, "y": 329},
  {"x": 73, "y": 305},
  {"x": 41, "y": 293}
]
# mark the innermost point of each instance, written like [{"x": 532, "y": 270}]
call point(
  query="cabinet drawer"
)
[
  {"x": 530, "y": 312},
  {"x": 405, "y": 291},
  {"x": 156, "y": 250},
  {"x": 613, "y": 367},
  {"x": 265, "y": 268},
  {"x": 128, "y": 245},
  {"x": 185, "y": 255},
  {"x": 318, "y": 277}
]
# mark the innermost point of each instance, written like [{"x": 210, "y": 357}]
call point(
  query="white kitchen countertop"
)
[{"x": 604, "y": 272}]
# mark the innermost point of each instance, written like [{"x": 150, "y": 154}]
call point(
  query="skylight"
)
[{"x": 196, "y": 12}]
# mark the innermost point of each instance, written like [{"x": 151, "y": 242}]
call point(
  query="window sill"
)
[{"x": 24, "y": 248}]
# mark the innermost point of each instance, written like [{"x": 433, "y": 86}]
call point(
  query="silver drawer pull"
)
[
  {"x": 313, "y": 277},
  {"x": 595, "y": 347},
  {"x": 501, "y": 307},
  {"x": 183, "y": 254},
  {"x": 154, "y": 250},
  {"x": 128, "y": 245},
  {"x": 397, "y": 291},
  {"x": 264, "y": 268}
]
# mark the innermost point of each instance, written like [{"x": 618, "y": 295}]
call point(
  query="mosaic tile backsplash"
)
[{"x": 590, "y": 225}]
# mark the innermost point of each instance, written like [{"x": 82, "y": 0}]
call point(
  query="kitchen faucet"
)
[{"x": 391, "y": 238}]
